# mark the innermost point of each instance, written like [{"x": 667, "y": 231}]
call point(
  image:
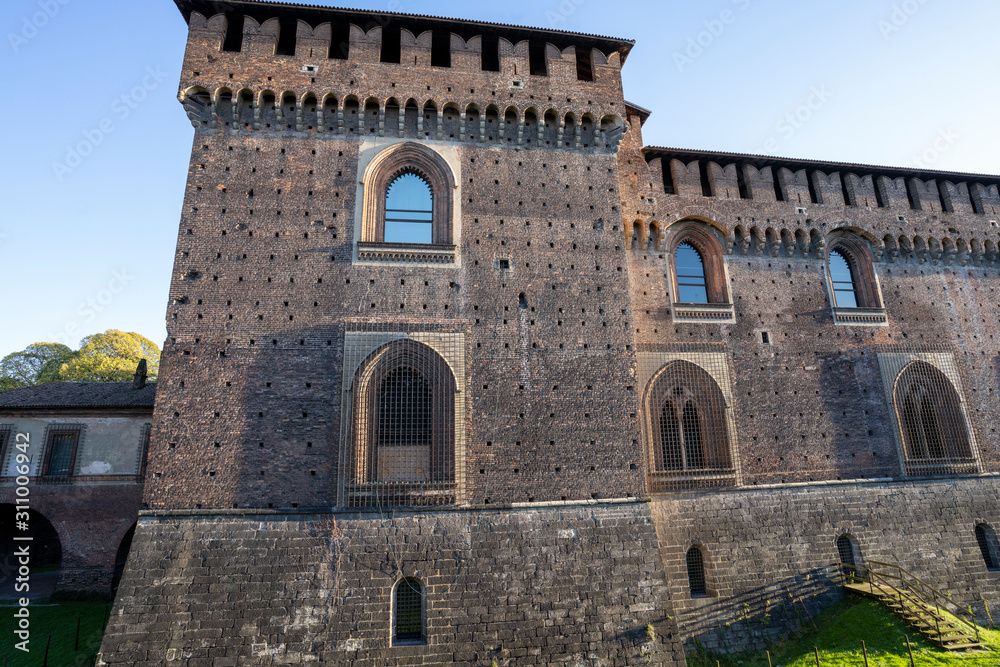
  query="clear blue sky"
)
[{"x": 91, "y": 249}]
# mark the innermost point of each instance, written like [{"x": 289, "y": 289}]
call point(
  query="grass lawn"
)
[
  {"x": 58, "y": 620},
  {"x": 842, "y": 628}
]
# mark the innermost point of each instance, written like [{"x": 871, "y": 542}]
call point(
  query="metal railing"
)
[{"x": 905, "y": 584}]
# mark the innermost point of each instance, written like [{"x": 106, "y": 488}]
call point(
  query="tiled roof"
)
[{"x": 79, "y": 395}]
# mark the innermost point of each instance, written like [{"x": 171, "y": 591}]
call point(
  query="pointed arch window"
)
[
  {"x": 854, "y": 289},
  {"x": 932, "y": 422},
  {"x": 688, "y": 429},
  {"x": 697, "y": 266},
  {"x": 403, "y": 442},
  {"x": 408, "y": 211}
]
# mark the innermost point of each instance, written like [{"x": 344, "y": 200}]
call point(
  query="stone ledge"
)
[
  {"x": 713, "y": 313},
  {"x": 407, "y": 253}
]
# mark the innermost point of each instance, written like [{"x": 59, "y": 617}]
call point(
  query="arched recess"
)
[
  {"x": 857, "y": 254},
  {"x": 46, "y": 547},
  {"x": 390, "y": 163},
  {"x": 932, "y": 421},
  {"x": 706, "y": 242},
  {"x": 121, "y": 557},
  {"x": 403, "y": 437},
  {"x": 849, "y": 556},
  {"x": 687, "y": 429},
  {"x": 697, "y": 572}
]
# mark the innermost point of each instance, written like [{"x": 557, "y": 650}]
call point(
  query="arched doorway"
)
[
  {"x": 121, "y": 558},
  {"x": 46, "y": 549}
]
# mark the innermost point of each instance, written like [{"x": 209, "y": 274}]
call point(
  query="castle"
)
[{"x": 460, "y": 372}]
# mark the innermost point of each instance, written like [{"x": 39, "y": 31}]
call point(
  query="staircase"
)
[{"x": 922, "y": 607}]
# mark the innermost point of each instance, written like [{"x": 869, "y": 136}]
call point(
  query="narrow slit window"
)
[
  {"x": 845, "y": 291},
  {"x": 408, "y": 625},
  {"x": 696, "y": 573},
  {"x": 692, "y": 437},
  {"x": 670, "y": 439},
  {"x": 692, "y": 286},
  {"x": 409, "y": 210},
  {"x": 986, "y": 539}
]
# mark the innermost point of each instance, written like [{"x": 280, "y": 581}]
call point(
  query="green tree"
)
[
  {"x": 36, "y": 364},
  {"x": 111, "y": 356}
]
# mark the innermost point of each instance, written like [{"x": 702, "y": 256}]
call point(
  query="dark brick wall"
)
[
  {"x": 518, "y": 586},
  {"x": 765, "y": 548},
  {"x": 91, "y": 520}
]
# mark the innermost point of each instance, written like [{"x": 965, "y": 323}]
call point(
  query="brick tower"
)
[{"x": 460, "y": 372}]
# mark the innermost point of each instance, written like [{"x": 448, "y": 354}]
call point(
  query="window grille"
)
[
  {"x": 60, "y": 455},
  {"x": 401, "y": 434},
  {"x": 931, "y": 420},
  {"x": 845, "y": 550},
  {"x": 409, "y": 613},
  {"x": 4, "y": 438},
  {"x": 988, "y": 546},
  {"x": 688, "y": 427},
  {"x": 696, "y": 572}
]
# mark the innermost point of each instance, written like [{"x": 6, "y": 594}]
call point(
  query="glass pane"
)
[
  {"x": 691, "y": 284},
  {"x": 409, "y": 210},
  {"x": 61, "y": 457},
  {"x": 844, "y": 293}
]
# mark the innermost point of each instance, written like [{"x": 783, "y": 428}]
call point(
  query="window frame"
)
[
  {"x": 51, "y": 433},
  {"x": 409, "y": 641},
  {"x": 951, "y": 422},
  {"x": 362, "y": 483},
  {"x": 869, "y": 308},
  {"x": 704, "y": 239},
  {"x": 714, "y": 428},
  {"x": 989, "y": 547},
  {"x": 6, "y": 431},
  {"x": 393, "y": 161},
  {"x": 704, "y": 591}
]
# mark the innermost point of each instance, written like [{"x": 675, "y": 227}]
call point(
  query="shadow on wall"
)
[
  {"x": 46, "y": 548},
  {"x": 759, "y": 616}
]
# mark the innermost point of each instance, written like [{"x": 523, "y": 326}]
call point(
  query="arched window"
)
[
  {"x": 847, "y": 553},
  {"x": 687, "y": 426},
  {"x": 409, "y": 210},
  {"x": 403, "y": 444},
  {"x": 696, "y": 258},
  {"x": 409, "y": 193},
  {"x": 854, "y": 289},
  {"x": 845, "y": 293},
  {"x": 408, "y": 612},
  {"x": 931, "y": 421},
  {"x": 987, "y": 540},
  {"x": 692, "y": 287},
  {"x": 696, "y": 573}
]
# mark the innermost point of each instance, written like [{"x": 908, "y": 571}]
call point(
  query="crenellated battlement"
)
[
  {"x": 906, "y": 215},
  {"x": 252, "y": 66}
]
